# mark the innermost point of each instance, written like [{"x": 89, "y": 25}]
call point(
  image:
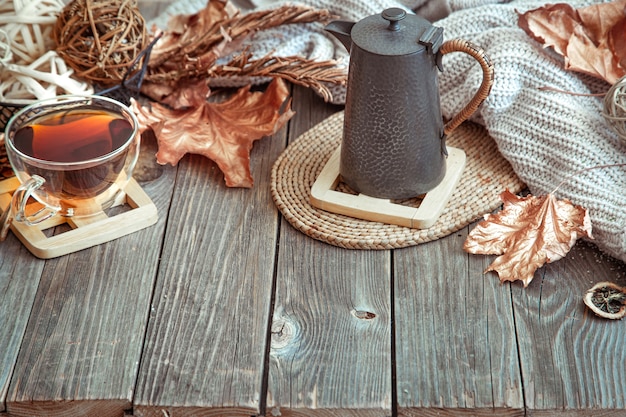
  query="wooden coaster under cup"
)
[
  {"x": 325, "y": 196},
  {"x": 85, "y": 231}
]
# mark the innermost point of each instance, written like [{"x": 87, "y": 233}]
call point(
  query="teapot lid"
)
[{"x": 394, "y": 32}]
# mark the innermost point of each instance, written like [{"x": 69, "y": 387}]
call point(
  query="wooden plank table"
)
[{"x": 223, "y": 309}]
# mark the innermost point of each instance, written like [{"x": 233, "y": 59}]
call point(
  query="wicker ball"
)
[
  {"x": 99, "y": 39},
  {"x": 615, "y": 107}
]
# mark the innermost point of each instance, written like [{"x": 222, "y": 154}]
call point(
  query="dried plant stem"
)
[
  {"x": 580, "y": 171},
  {"x": 571, "y": 93},
  {"x": 614, "y": 108},
  {"x": 100, "y": 38},
  {"x": 215, "y": 32},
  {"x": 237, "y": 27},
  {"x": 308, "y": 73}
]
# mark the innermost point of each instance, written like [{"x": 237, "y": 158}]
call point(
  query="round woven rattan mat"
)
[{"x": 486, "y": 175}]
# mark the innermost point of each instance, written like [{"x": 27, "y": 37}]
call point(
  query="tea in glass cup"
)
[{"x": 73, "y": 154}]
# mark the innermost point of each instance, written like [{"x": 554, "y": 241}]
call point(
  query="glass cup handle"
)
[{"x": 17, "y": 209}]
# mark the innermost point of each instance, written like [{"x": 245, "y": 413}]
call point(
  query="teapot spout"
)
[{"x": 341, "y": 30}]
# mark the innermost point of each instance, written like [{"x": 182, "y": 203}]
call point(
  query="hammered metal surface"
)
[
  {"x": 373, "y": 34},
  {"x": 393, "y": 129}
]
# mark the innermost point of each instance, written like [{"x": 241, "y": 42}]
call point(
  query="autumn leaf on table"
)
[
  {"x": 527, "y": 233},
  {"x": 223, "y": 132},
  {"x": 591, "y": 39}
]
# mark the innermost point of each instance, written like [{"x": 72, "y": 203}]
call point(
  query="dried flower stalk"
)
[
  {"x": 193, "y": 55},
  {"x": 236, "y": 27},
  {"x": 308, "y": 73}
]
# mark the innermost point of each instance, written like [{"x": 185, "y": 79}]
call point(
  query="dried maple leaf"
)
[
  {"x": 528, "y": 232},
  {"x": 591, "y": 39},
  {"x": 223, "y": 132},
  {"x": 617, "y": 42}
]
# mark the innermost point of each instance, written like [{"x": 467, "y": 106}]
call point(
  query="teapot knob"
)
[{"x": 394, "y": 15}]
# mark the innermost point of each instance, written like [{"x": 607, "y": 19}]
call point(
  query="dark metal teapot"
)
[{"x": 393, "y": 142}]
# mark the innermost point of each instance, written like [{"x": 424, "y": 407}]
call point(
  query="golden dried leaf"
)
[
  {"x": 527, "y": 233},
  {"x": 589, "y": 38},
  {"x": 617, "y": 42},
  {"x": 223, "y": 132}
]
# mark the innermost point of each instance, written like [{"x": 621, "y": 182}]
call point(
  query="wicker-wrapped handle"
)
[{"x": 460, "y": 45}]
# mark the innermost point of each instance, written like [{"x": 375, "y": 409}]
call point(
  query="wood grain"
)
[
  {"x": 19, "y": 279},
  {"x": 455, "y": 337},
  {"x": 571, "y": 360},
  {"x": 224, "y": 309},
  {"x": 330, "y": 341},
  {"x": 71, "y": 352},
  {"x": 84, "y": 338},
  {"x": 206, "y": 338}
]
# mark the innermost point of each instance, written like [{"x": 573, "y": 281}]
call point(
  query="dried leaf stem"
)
[
  {"x": 190, "y": 50},
  {"x": 580, "y": 171},
  {"x": 308, "y": 73},
  {"x": 571, "y": 93}
]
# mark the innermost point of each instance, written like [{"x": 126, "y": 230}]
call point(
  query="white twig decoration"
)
[{"x": 29, "y": 67}]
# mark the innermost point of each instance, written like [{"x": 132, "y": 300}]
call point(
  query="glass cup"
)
[{"x": 73, "y": 154}]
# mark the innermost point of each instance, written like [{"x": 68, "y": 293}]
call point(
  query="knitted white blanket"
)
[{"x": 546, "y": 136}]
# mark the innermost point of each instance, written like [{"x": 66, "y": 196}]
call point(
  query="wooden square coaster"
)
[
  {"x": 87, "y": 231},
  {"x": 325, "y": 196}
]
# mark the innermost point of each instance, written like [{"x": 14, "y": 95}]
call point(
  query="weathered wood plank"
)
[
  {"x": 20, "y": 274},
  {"x": 208, "y": 326},
  {"x": 19, "y": 278},
  {"x": 330, "y": 348},
  {"x": 83, "y": 342},
  {"x": 331, "y": 340},
  {"x": 572, "y": 361},
  {"x": 233, "y": 374},
  {"x": 455, "y": 340}
]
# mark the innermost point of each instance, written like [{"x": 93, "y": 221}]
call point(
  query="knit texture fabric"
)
[{"x": 548, "y": 137}]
